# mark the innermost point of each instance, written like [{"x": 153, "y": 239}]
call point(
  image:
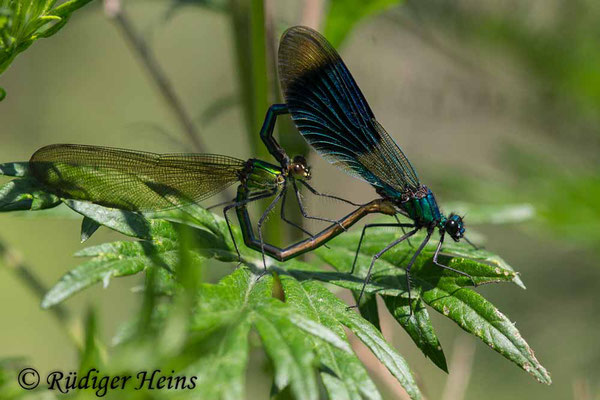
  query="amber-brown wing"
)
[{"x": 132, "y": 180}]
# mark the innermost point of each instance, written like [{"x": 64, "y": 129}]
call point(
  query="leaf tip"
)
[
  {"x": 517, "y": 280},
  {"x": 440, "y": 361},
  {"x": 540, "y": 373},
  {"x": 47, "y": 302}
]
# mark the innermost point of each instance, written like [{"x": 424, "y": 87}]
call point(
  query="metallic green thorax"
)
[
  {"x": 260, "y": 175},
  {"x": 422, "y": 208}
]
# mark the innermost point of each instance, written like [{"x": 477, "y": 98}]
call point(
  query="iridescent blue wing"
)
[{"x": 332, "y": 114}]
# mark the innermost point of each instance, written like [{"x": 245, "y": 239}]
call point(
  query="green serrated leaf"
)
[
  {"x": 368, "y": 308},
  {"x": 112, "y": 260},
  {"x": 297, "y": 338},
  {"x": 88, "y": 227},
  {"x": 373, "y": 339},
  {"x": 390, "y": 283},
  {"x": 126, "y": 222},
  {"x": 418, "y": 325},
  {"x": 343, "y": 374},
  {"x": 25, "y": 194},
  {"x": 87, "y": 274},
  {"x": 242, "y": 298},
  {"x": 120, "y": 250},
  {"x": 20, "y": 169},
  {"x": 221, "y": 370},
  {"x": 368, "y": 334},
  {"x": 389, "y": 280},
  {"x": 210, "y": 234},
  {"x": 319, "y": 331},
  {"x": 479, "y": 317},
  {"x": 291, "y": 352},
  {"x": 192, "y": 215},
  {"x": 288, "y": 347}
]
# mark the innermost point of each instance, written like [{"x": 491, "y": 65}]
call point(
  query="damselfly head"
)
[
  {"x": 299, "y": 169},
  {"x": 454, "y": 226}
]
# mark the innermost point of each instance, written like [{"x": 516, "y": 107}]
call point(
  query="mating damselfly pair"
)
[{"x": 329, "y": 111}]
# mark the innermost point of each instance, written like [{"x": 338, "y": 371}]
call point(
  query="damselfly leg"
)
[
  {"x": 376, "y": 256},
  {"x": 236, "y": 204},
  {"x": 435, "y": 261},
  {"x": 305, "y": 214},
  {"x": 368, "y": 226},
  {"x": 260, "y": 223},
  {"x": 472, "y": 244},
  {"x": 330, "y": 196},
  {"x": 284, "y": 218}
]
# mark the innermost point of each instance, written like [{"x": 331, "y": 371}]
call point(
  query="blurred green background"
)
[{"x": 494, "y": 102}]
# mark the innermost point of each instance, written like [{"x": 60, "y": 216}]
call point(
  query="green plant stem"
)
[
  {"x": 13, "y": 262},
  {"x": 247, "y": 18},
  {"x": 260, "y": 84},
  {"x": 248, "y": 25}
]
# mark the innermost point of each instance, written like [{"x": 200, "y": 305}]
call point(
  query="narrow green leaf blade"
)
[
  {"x": 87, "y": 274},
  {"x": 482, "y": 265},
  {"x": 68, "y": 7},
  {"x": 25, "y": 194},
  {"x": 192, "y": 215},
  {"x": 343, "y": 374},
  {"x": 368, "y": 307},
  {"x": 418, "y": 325},
  {"x": 373, "y": 339},
  {"x": 221, "y": 371},
  {"x": 19, "y": 169},
  {"x": 88, "y": 227},
  {"x": 222, "y": 322},
  {"x": 125, "y": 222},
  {"x": 291, "y": 353},
  {"x": 476, "y": 315},
  {"x": 111, "y": 260},
  {"x": 319, "y": 331},
  {"x": 390, "y": 282},
  {"x": 121, "y": 249},
  {"x": 369, "y": 335}
]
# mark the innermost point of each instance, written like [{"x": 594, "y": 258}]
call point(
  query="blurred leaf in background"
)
[
  {"x": 558, "y": 174},
  {"x": 22, "y": 22},
  {"x": 343, "y": 15},
  {"x": 566, "y": 198}
]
